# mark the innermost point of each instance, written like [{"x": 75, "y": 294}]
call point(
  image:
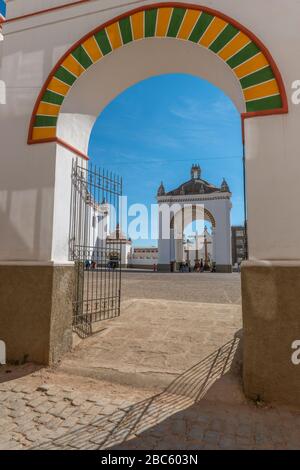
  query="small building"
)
[
  {"x": 143, "y": 257},
  {"x": 239, "y": 245},
  {"x": 116, "y": 242}
]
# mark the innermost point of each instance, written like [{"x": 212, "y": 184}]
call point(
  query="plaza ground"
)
[
  {"x": 193, "y": 287},
  {"x": 164, "y": 375}
]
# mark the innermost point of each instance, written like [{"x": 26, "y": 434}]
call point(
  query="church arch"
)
[
  {"x": 207, "y": 216},
  {"x": 249, "y": 60}
]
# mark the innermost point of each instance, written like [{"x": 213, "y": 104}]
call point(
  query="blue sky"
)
[
  {"x": 155, "y": 130},
  {"x": 2, "y": 8}
]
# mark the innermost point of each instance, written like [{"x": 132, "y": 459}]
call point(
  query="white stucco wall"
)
[
  {"x": 139, "y": 263},
  {"x": 31, "y": 188}
]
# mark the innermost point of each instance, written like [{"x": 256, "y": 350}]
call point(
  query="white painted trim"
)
[
  {"x": 194, "y": 198},
  {"x": 35, "y": 263}
]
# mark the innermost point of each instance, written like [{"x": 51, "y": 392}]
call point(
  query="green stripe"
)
[
  {"x": 200, "y": 27},
  {"x": 224, "y": 37},
  {"x": 82, "y": 57},
  {"x": 264, "y": 104},
  {"x": 245, "y": 54},
  {"x": 65, "y": 76},
  {"x": 53, "y": 98},
  {"x": 125, "y": 28},
  {"x": 45, "y": 121},
  {"x": 103, "y": 42},
  {"x": 150, "y": 22},
  {"x": 255, "y": 78},
  {"x": 176, "y": 21}
]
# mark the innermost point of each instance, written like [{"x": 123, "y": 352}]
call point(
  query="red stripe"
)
[{"x": 62, "y": 143}]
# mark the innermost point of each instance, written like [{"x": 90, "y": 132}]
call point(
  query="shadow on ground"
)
[
  {"x": 164, "y": 420},
  {"x": 12, "y": 372}
]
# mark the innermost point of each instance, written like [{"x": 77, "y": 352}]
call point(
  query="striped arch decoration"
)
[{"x": 249, "y": 60}]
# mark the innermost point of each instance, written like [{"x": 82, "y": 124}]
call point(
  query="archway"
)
[
  {"x": 208, "y": 43},
  {"x": 203, "y": 42},
  {"x": 197, "y": 250},
  {"x": 193, "y": 216},
  {"x": 248, "y": 59}
]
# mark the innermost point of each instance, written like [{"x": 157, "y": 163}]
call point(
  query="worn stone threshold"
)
[{"x": 141, "y": 379}]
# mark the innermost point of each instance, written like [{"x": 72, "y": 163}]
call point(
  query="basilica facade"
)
[{"x": 195, "y": 201}]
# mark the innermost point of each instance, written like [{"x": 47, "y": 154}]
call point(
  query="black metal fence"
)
[{"x": 95, "y": 244}]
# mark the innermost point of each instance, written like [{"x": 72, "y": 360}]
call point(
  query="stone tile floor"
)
[
  {"x": 153, "y": 341},
  {"x": 112, "y": 393},
  {"x": 47, "y": 409}
]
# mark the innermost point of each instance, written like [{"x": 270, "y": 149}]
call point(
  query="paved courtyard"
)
[
  {"x": 193, "y": 287},
  {"x": 165, "y": 375}
]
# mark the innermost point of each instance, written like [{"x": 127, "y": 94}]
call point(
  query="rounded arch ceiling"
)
[{"x": 207, "y": 216}]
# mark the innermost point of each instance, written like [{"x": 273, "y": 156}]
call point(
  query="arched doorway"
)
[
  {"x": 196, "y": 40},
  {"x": 197, "y": 250},
  {"x": 196, "y": 201},
  {"x": 202, "y": 38}
]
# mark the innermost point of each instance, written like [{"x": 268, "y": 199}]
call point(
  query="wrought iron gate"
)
[{"x": 95, "y": 244}]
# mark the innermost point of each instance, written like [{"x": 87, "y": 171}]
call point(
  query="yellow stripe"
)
[
  {"x": 48, "y": 109},
  {"x": 256, "y": 63},
  {"x": 92, "y": 49},
  {"x": 58, "y": 87},
  {"x": 73, "y": 66},
  {"x": 114, "y": 35},
  {"x": 188, "y": 24},
  {"x": 212, "y": 32},
  {"x": 163, "y": 20},
  {"x": 137, "y": 21},
  {"x": 43, "y": 133},
  {"x": 261, "y": 91},
  {"x": 235, "y": 45}
]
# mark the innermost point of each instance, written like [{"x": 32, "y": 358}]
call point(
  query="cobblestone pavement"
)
[
  {"x": 200, "y": 406},
  {"x": 201, "y": 409},
  {"x": 154, "y": 341}
]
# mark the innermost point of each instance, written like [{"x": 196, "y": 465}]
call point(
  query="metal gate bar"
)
[{"x": 95, "y": 243}]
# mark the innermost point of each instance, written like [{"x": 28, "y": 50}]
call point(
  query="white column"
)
[
  {"x": 179, "y": 250},
  {"x": 172, "y": 246},
  {"x": 164, "y": 248},
  {"x": 222, "y": 236},
  {"x": 273, "y": 190},
  {"x": 213, "y": 244},
  {"x": 164, "y": 254}
]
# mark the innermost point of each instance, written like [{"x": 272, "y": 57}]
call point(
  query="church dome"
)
[{"x": 196, "y": 185}]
